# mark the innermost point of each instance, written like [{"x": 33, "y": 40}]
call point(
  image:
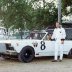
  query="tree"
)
[
  {"x": 65, "y": 4},
  {"x": 15, "y": 12},
  {"x": 45, "y": 16},
  {"x": 21, "y": 13}
]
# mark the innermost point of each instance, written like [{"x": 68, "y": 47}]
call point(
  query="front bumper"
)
[{"x": 10, "y": 52}]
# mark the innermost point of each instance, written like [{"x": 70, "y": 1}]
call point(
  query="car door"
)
[{"x": 46, "y": 47}]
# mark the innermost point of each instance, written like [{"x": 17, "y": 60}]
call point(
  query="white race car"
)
[{"x": 35, "y": 45}]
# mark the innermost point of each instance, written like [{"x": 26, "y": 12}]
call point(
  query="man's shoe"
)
[
  {"x": 60, "y": 60},
  {"x": 54, "y": 61}
]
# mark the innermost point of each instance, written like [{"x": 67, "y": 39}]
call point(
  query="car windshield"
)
[{"x": 36, "y": 36}]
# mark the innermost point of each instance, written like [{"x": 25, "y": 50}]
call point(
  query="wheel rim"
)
[{"x": 27, "y": 54}]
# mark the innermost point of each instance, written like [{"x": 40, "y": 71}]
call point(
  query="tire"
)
[
  {"x": 70, "y": 54},
  {"x": 27, "y": 54}
]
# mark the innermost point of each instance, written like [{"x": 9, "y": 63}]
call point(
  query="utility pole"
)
[
  {"x": 59, "y": 11},
  {"x": 44, "y": 3}
]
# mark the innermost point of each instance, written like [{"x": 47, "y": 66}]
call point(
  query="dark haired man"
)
[{"x": 59, "y": 35}]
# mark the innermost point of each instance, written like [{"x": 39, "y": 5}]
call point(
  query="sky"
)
[{"x": 55, "y": 1}]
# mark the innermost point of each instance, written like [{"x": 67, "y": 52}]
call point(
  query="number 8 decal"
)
[{"x": 43, "y": 45}]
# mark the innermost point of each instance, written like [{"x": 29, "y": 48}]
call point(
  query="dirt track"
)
[{"x": 37, "y": 65}]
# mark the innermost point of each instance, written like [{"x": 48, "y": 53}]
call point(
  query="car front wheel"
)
[{"x": 27, "y": 54}]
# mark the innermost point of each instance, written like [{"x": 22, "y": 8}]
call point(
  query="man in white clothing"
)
[{"x": 59, "y": 35}]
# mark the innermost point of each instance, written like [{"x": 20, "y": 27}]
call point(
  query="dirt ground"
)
[{"x": 37, "y": 65}]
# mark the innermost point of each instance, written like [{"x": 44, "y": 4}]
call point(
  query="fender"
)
[{"x": 29, "y": 47}]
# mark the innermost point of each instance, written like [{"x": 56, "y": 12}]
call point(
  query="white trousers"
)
[{"x": 58, "y": 50}]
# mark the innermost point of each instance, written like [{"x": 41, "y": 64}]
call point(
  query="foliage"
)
[
  {"x": 21, "y": 14},
  {"x": 65, "y": 4}
]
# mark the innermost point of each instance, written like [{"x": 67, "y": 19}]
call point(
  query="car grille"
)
[{"x": 9, "y": 47}]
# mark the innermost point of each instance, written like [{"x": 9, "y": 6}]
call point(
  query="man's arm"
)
[{"x": 63, "y": 34}]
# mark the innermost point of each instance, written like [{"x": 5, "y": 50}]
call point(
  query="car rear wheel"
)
[
  {"x": 70, "y": 54},
  {"x": 27, "y": 54}
]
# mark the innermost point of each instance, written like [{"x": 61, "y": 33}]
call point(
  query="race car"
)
[{"x": 35, "y": 45}]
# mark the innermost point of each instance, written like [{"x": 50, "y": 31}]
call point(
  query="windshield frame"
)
[{"x": 45, "y": 33}]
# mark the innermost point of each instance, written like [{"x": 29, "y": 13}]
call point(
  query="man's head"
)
[{"x": 57, "y": 25}]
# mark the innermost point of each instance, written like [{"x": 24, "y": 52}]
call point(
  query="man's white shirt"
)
[{"x": 59, "y": 33}]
